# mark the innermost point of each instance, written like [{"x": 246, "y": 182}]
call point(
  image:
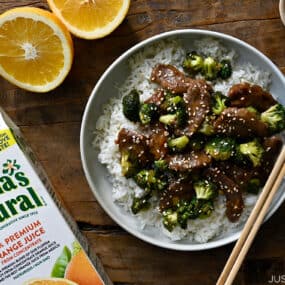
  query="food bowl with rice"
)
[{"x": 179, "y": 135}]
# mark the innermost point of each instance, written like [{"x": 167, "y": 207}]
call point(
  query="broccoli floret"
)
[
  {"x": 207, "y": 126},
  {"x": 193, "y": 63},
  {"x": 219, "y": 102},
  {"x": 220, "y": 148},
  {"x": 175, "y": 101},
  {"x": 181, "y": 117},
  {"x": 168, "y": 119},
  {"x": 147, "y": 180},
  {"x": 140, "y": 204},
  {"x": 176, "y": 111},
  {"x": 193, "y": 208},
  {"x": 163, "y": 174},
  {"x": 172, "y": 103},
  {"x": 196, "y": 208},
  {"x": 252, "y": 150},
  {"x": 210, "y": 68},
  {"x": 225, "y": 69},
  {"x": 274, "y": 117},
  {"x": 205, "y": 189},
  {"x": 196, "y": 142},
  {"x": 129, "y": 164},
  {"x": 184, "y": 213},
  {"x": 206, "y": 208},
  {"x": 168, "y": 95},
  {"x": 170, "y": 219},
  {"x": 148, "y": 112},
  {"x": 131, "y": 106},
  {"x": 160, "y": 184},
  {"x": 160, "y": 165},
  {"x": 177, "y": 119},
  {"x": 178, "y": 144},
  {"x": 185, "y": 210},
  {"x": 253, "y": 110},
  {"x": 253, "y": 186}
]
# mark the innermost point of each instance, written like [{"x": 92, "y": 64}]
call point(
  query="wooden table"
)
[{"x": 51, "y": 124}]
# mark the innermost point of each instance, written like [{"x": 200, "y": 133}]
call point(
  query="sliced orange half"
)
[
  {"x": 49, "y": 281},
  {"x": 90, "y": 19},
  {"x": 36, "y": 49}
]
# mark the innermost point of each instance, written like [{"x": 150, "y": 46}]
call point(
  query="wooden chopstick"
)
[{"x": 254, "y": 221}]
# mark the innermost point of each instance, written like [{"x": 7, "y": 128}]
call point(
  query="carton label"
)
[
  {"x": 36, "y": 243},
  {"x": 24, "y": 197},
  {"x": 6, "y": 139}
]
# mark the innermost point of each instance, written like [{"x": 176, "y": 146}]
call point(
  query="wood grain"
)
[{"x": 51, "y": 124}]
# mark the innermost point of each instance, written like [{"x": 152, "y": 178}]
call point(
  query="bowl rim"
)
[{"x": 168, "y": 245}]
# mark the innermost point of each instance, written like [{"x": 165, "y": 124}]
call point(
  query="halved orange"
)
[
  {"x": 36, "y": 49},
  {"x": 90, "y": 19},
  {"x": 49, "y": 281}
]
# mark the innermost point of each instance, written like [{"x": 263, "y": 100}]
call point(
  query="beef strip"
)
[
  {"x": 240, "y": 122},
  {"x": 172, "y": 79},
  {"x": 196, "y": 94},
  {"x": 244, "y": 95},
  {"x": 233, "y": 193},
  {"x": 188, "y": 161},
  {"x": 157, "y": 97},
  {"x": 135, "y": 143},
  {"x": 158, "y": 140},
  {"x": 176, "y": 191},
  {"x": 201, "y": 84},
  {"x": 198, "y": 105},
  {"x": 272, "y": 146},
  {"x": 239, "y": 174}
]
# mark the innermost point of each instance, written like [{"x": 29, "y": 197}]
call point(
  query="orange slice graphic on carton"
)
[
  {"x": 74, "y": 265},
  {"x": 81, "y": 271},
  {"x": 50, "y": 281}
]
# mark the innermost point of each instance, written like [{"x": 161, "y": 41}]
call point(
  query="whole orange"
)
[{"x": 81, "y": 271}]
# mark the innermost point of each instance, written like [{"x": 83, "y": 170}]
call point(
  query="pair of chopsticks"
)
[{"x": 254, "y": 222}]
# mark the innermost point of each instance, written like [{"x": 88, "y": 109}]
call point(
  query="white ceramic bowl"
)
[{"x": 106, "y": 87}]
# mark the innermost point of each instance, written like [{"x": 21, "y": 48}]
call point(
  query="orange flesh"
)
[
  {"x": 30, "y": 51},
  {"x": 88, "y": 15}
]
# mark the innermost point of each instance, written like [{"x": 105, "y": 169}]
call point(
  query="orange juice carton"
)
[{"x": 39, "y": 242}]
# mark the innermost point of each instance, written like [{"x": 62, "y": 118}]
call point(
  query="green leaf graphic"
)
[{"x": 61, "y": 263}]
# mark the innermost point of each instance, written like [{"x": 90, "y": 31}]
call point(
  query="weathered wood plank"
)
[
  {"x": 134, "y": 261},
  {"x": 89, "y": 212},
  {"x": 198, "y": 11},
  {"x": 66, "y": 103},
  {"x": 140, "y": 263},
  {"x": 8, "y": 4},
  {"x": 58, "y": 149}
]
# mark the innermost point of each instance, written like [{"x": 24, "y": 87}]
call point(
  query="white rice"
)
[{"x": 141, "y": 64}]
